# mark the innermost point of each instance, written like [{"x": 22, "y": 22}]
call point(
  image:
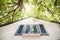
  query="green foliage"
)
[
  {"x": 58, "y": 2},
  {"x": 2, "y": 5},
  {"x": 42, "y": 9}
]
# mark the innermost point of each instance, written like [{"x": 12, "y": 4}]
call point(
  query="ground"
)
[{"x": 8, "y": 32}]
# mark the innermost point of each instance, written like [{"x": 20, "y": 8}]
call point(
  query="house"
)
[{"x": 8, "y": 32}]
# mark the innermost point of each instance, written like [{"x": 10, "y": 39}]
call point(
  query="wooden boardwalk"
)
[{"x": 8, "y": 32}]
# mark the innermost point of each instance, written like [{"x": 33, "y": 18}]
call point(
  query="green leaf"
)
[
  {"x": 3, "y": 8},
  {"x": 13, "y": 0}
]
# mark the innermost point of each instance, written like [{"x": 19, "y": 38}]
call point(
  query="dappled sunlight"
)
[
  {"x": 28, "y": 9},
  {"x": 13, "y": 10}
]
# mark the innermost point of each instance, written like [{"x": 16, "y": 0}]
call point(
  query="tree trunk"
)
[{"x": 20, "y": 4}]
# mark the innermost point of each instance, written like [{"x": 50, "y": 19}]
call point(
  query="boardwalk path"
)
[{"x": 7, "y": 32}]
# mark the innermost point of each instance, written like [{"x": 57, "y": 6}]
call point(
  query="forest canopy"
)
[{"x": 13, "y": 10}]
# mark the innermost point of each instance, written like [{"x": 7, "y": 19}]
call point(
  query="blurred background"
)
[{"x": 14, "y": 10}]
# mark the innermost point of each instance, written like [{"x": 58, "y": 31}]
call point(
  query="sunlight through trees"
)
[{"x": 13, "y": 10}]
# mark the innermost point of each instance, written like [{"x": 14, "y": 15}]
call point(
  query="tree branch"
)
[
  {"x": 49, "y": 10},
  {"x": 8, "y": 13},
  {"x": 12, "y": 3},
  {"x": 9, "y": 3}
]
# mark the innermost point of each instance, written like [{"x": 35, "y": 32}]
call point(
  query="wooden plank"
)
[{"x": 31, "y": 35}]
